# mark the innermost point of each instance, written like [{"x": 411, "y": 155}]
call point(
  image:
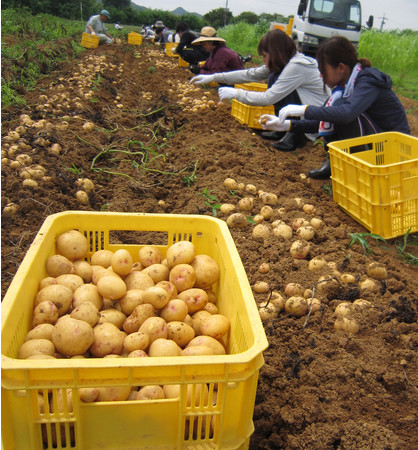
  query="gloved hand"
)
[
  {"x": 202, "y": 79},
  {"x": 270, "y": 122},
  {"x": 291, "y": 110},
  {"x": 194, "y": 68},
  {"x": 93, "y": 33},
  {"x": 226, "y": 93}
]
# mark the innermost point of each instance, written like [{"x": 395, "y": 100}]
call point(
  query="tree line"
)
[{"x": 127, "y": 14}]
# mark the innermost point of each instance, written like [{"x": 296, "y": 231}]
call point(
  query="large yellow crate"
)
[
  {"x": 377, "y": 186},
  {"x": 134, "y": 38},
  {"x": 259, "y": 87},
  {"x": 182, "y": 62},
  {"x": 250, "y": 115},
  {"x": 89, "y": 40},
  {"x": 156, "y": 424},
  {"x": 169, "y": 49}
]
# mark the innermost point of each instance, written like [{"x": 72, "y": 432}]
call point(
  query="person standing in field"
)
[
  {"x": 221, "y": 58},
  {"x": 193, "y": 54},
  {"x": 362, "y": 101},
  {"x": 96, "y": 26},
  {"x": 291, "y": 78}
]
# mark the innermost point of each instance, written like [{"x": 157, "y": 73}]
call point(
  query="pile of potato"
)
[{"x": 114, "y": 306}]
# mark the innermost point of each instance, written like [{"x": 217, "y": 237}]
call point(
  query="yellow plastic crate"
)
[
  {"x": 169, "y": 49},
  {"x": 377, "y": 186},
  {"x": 158, "y": 424},
  {"x": 89, "y": 40},
  {"x": 250, "y": 115},
  {"x": 183, "y": 63},
  {"x": 259, "y": 87},
  {"x": 134, "y": 38}
]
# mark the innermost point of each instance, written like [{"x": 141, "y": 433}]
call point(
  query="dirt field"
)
[{"x": 150, "y": 152}]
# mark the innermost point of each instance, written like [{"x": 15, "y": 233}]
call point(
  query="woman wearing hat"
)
[
  {"x": 221, "y": 58},
  {"x": 292, "y": 78},
  {"x": 96, "y": 26}
]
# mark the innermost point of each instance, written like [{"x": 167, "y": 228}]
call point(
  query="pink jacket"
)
[{"x": 222, "y": 59}]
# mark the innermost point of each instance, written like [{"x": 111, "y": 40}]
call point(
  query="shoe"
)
[
  {"x": 290, "y": 141},
  {"x": 323, "y": 172},
  {"x": 272, "y": 135}
]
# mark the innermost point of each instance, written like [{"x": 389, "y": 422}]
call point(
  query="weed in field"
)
[
  {"x": 188, "y": 180},
  {"x": 361, "y": 239},
  {"x": 75, "y": 170},
  {"x": 327, "y": 188},
  {"x": 407, "y": 257},
  {"x": 211, "y": 201}
]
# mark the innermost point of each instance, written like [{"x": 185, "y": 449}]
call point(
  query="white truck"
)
[{"x": 317, "y": 20}]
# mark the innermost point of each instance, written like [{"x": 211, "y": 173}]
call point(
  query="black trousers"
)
[{"x": 194, "y": 55}]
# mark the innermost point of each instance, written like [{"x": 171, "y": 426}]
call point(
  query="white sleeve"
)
[{"x": 256, "y": 74}]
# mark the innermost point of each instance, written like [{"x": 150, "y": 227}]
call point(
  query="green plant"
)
[
  {"x": 361, "y": 239},
  {"x": 327, "y": 188},
  {"x": 75, "y": 170},
  {"x": 188, "y": 180},
  {"x": 211, "y": 201},
  {"x": 407, "y": 257}
]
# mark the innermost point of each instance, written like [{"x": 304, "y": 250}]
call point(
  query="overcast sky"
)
[{"x": 398, "y": 13}]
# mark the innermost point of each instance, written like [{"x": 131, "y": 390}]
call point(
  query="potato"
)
[
  {"x": 45, "y": 312},
  {"x": 149, "y": 254},
  {"x": 169, "y": 287},
  {"x": 137, "y": 354},
  {"x": 121, "y": 262},
  {"x": 131, "y": 300},
  {"x": 70, "y": 280},
  {"x": 182, "y": 276},
  {"x": 294, "y": 289},
  {"x": 72, "y": 244},
  {"x": 347, "y": 325},
  {"x": 377, "y": 271},
  {"x": 113, "y": 316},
  {"x": 113, "y": 394},
  {"x": 151, "y": 392},
  {"x": 227, "y": 208},
  {"x": 206, "y": 270},
  {"x": 246, "y": 204},
  {"x": 299, "y": 249},
  {"x": 86, "y": 311},
  {"x": 261, "y": 232},
  {"x": 157, "y": 296},
  {"x": 196, "y": 299},
  {"x": 181, "y": 252},
  {"x": 344, "y": 309},
  {"x": 210, "y": 307},
  {"x": 87, "y": 293},
  {"x": 283, "y": 231},
  {"x": 306, "y": 232},
  {"x": 197, "y": 320},
  {"x": 261, "y": 287},
  {"x": 41, "y": 331},
  {"x": 180, "y": 333},
  {"x": 317, "y": 263},
  {"x": 268, "y": 198},
  {"x": 197, "y": 350},
  {"x": 296, "y": 306},
  {"x": 216, "y": 325},
  {"x": 72, "y": 337},
  {"x": 158, "y": 272},
  {"x": 174, "y": 310},
  {"x": 208, "y": 341},
  {"x": 135, "y": 341},
  {"x": 88, "y": 395},
  {"x": 155, "y": 327},
  {"x": 111, "y": 287},
  {"x": 107, "y": 339},
  {"x": 35, "y": 347},
  {"x": 58, "y": 265},
  {"x": 134, "y": 321},
  {"x": 138, "y": 280},
  {"x": 99, "y": 272},
  {"x": 268, "y": 311},
  {"x": 237, "y": 220},
  {"x": 164, "y": 347},
  {"x": 58, "y": 294},
  {"x": 47, "y": 281},
  {"x": 196, "y": 394},
  {"x": 101, "y": 258}
]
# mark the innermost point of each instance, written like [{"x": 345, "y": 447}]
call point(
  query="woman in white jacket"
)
[{"x": 292, "y": 78}]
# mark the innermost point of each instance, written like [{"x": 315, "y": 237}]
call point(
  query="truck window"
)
[{"x": 336, "y": 10}]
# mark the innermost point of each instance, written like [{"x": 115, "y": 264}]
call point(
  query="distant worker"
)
[
  {"x": 162, "y": 33},
  {"x": 96, "y": 26},
  {"x": 118, "y": 26},
  {"x": 221, "y": 58},
  {"x": 193, "y": 54},
  {"x": 147, "y": 32}
]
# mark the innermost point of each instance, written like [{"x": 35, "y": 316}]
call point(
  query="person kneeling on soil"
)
[
  {"x": 362, "y": 101},
  {"x": 193, "y": 54},
  {"x": 96, "y": 26},
  {"x": 291, "y": 78},
  {"x": 221, "y": 58}
]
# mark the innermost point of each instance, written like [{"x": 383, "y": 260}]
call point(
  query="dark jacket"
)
[
  {"x": 372, "y": 95},
  {"x": 186, "y": 40},
  {"x": 222, "y": 59}
]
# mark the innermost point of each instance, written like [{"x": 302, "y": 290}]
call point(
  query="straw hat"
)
[
  {"x": 207, "y": 34},
  {"x": 159, "y": 23}
]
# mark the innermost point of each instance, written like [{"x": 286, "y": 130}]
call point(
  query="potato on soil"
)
[
  {"x": 283, "y": 231},
  {"x": 155, "y": 327},
  {"x": 216, "y": 325},
  {"x": 299, "y": 249},
  {"x": 164, "y": 347},
  {"x": 35, "y": 347},
  {"x": 87, "y": 293},
  {"x": 377, "y": 271},
  {"x": 246, "y": 204},
  {"x": 180, "y": 333},
  {"x": 208, "y": 341},
  {"x": 195, "y": 298},
  {"x": 182, "y": 276},
  {"x": 72, "y": 337},
  {"x": 296, "y": 306},
  {"x": 121, "y": 262},
  {"x": 138, "y": 280},
  {"x": 86, "y": 311},
  {"x": 113, "y": 316},
  {"x": 149, "y": 255},
  {"x": 107, "y": 339},
  {"x": 158, "y": 272},
  {"x": 151, "y": 392},
  {"x": 72, "y": 244},
  {"x": 261, "y": 232},
  {"x": 41, "y": 331},
  {"x": 140, "y": 313},
  {"x": 58, "y": 294},
  {"x": 261, "y": 287},
  {"x": 268, "y": 312},
  {"x": 206, "y": 270},
  {"x": 181, "y": 252},
  {"x": 268, "y": 198},
  {"x": 111, "y": 287},
  {"x": 135, "y": 341},
  {"x": 175, "y": 310},
  {"x": 237, "y": 220},
  {"x": 45, "y": 312},
  {"x": 57, "y": 265},
  {"x": 346, "y": 324}
]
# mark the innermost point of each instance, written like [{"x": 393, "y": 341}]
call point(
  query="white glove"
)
[
  {"x": 202, "y": 79},
  {"x": 226, "y": 93},
  {"x": 93, "y": 33},
  {"x": 270, "y": 122},
  {"x": 292, "y": 110}
]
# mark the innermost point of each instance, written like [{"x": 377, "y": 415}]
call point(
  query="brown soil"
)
[{"x": 320, "y": 388}]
